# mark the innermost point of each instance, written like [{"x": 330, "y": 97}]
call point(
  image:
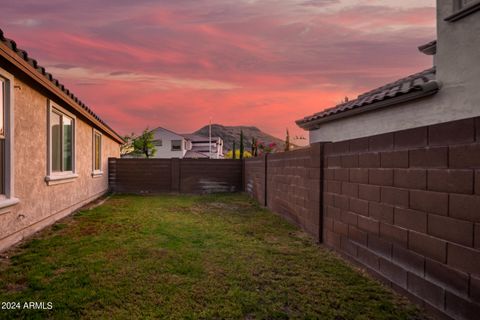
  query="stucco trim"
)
[
  {"x": 9, "y": 141},
  {"x": 8, "y": 202},
  {"x": 60, "y": 178}
]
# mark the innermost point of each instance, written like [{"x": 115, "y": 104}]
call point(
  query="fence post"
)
[
  {"x": 243, "y": 175},
  {"x": 317, "y": 162},
  {"x": 112, "y": 174},
  {"x": 266, "y": 180},
  {"x": 321, "y": 190},
  {"x": 175, "y": 167},
  {"x": 321, "y": 187}
]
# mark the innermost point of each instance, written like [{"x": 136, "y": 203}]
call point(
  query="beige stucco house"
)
[{"x": 53, "y": 148}]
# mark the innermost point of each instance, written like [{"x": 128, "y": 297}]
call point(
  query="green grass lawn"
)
[{"x": 218, "y": 256}]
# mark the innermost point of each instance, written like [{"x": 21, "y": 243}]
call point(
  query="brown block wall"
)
[
  {"x": 293, "y": 187},
  {"x": 255, "y": 181},
  {"x": 151, "y": 176},
  {"x": 406, "y": 205},
  {"x": 289, "y": 184}
]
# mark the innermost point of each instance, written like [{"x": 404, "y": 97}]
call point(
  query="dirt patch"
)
[
  {"x": 88, "y": 230},
  {"x": 222, "y": 207},
  {"x": 17, "y": 287},
  {"x": 59, "y": 271}
]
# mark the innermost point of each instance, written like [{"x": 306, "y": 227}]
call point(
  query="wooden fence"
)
[{"x": 152, "y": 176}]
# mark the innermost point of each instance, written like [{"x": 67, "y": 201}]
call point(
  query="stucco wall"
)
[
  {"x": 459, "y": 97},
  {"x": 40, "y": 204}
]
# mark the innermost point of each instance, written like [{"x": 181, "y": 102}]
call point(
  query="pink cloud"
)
[{"x": 259, "y": 63}]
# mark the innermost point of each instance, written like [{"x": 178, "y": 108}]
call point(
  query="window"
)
[
  {"x": 158, "y": 143},
  {"x": 97, "y": 153},
  {"x": 176, "y": 145},
  {"x": 61, "y": 144},
  {"x": 6, "y": 140}
]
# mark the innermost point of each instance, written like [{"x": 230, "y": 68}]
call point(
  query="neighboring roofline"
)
[
  {"x": 428, "y": 89},
  {"x": 429, "y": 49},
  {"x": 177, "y": 134},
  {"x": 206, "y": 141},
  {"x": 186, "y": 136},
  {"x": 20, "y": 59}
]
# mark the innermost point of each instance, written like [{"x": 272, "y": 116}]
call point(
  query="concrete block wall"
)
[
  {"x": 289, "y": 184},
  {"x": 293, "y": 187},
  {"x": 406, "y": 205},
  {"x": 255, "y": 178}
]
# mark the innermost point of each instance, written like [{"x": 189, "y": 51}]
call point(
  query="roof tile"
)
[{"x": 405, "y": 85}]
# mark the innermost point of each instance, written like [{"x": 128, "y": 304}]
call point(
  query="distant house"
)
[
  {"x": 201, "y": 145},
  {"x": 53, "y": 148},
  {"x": 169, "y": 144},
  {"x": 446, "y": 92}
]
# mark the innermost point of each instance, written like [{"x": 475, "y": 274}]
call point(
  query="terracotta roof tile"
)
[{"x": 400, "y": 87}]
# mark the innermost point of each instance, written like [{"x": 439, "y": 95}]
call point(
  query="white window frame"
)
[
  {"x": 95, "y": 172},
  {"x": 8, "y": 199},
  {"x": 54, "y": 178}
]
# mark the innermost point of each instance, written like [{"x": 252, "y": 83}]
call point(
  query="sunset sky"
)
[{"x": 177, "y": 63}]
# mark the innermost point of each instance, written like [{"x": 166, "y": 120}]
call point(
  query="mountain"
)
[{"x": 232, "y": 133}]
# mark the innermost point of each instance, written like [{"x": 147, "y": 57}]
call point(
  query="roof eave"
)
[
  {"x": 26, "y": 68},
  {"x": 429, "y": 49},
  {"x": 428, "y": 89}
]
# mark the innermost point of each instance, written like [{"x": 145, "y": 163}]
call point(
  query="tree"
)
[
  {"x": 234, "y": 152},
  {"x": 287, "y": 141},
  {"x": 143, "y": 144},
  {"x": 242, "y": 147},
  {"x": 127, "y": 147}
]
